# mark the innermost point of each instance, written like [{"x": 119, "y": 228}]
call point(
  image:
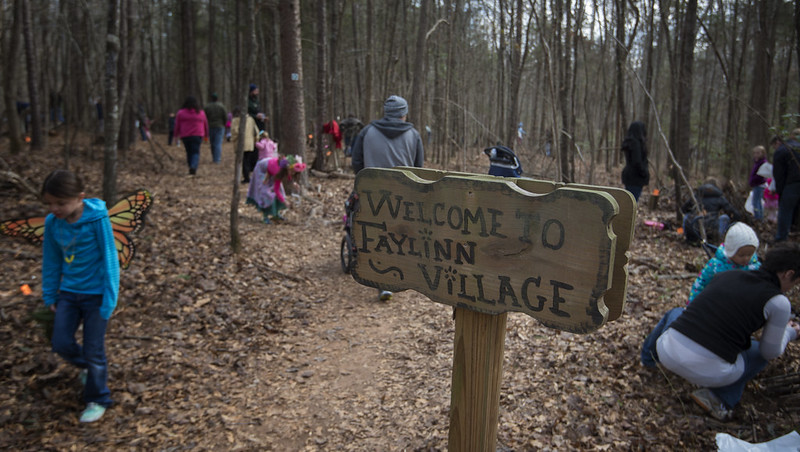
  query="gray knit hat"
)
[
  {"x": 739, "y": 235},
  {"x": 395, "y": 107}
]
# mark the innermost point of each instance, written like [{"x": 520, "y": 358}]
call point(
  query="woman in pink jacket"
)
[{"x": 191, "y": 127}]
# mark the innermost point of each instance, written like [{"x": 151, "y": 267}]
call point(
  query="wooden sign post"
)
[{"x": 486, "y": 246}]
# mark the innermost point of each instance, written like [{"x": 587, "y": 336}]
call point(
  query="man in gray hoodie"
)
[{"x": 389, "y": 142}]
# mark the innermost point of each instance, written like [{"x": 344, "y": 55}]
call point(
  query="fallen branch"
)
[
  {"x": 279, "y": 273},
  {"x": 19, "y": 181},
  {"x": 332, "y": 175},
  {"x": 645, "y": 262}
]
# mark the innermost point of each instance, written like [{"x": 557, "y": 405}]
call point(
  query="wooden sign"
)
[
  {"x": 488, "y": 244},
  {"x": 623, "y": 225}
]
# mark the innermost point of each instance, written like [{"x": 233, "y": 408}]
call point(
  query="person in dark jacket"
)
[
  {"x": 786, "y": 172},
  {"x": 636, "y": 173},
  {"x": 710, "y": 343},
  {"x": 715, "y": 210}
]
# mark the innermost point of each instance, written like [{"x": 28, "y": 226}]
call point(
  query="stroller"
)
[
  {"x": 503, "y": 162},
  {"x": 347, "y": 252}
]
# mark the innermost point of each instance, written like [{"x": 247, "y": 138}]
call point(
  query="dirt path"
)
[{"x": 277, "y": 349}]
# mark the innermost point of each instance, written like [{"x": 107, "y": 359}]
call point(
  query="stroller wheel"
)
[{"x": 347, "y": 254}]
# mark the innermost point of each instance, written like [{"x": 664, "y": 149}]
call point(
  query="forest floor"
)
[{"x": 275, "y": 348}]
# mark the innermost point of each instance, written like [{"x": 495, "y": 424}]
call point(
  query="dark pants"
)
[
  {"x": 249, "y": 160},
  {"x": 787, "y": 205},
  {"x": 636, "y": 190},
  {"x": 192, "y": 145}
]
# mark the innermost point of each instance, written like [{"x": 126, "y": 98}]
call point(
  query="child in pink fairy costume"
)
[{"x": 266, "y": 190}]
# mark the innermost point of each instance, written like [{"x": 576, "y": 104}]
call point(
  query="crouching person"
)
[{"x": 709, "y": 343}]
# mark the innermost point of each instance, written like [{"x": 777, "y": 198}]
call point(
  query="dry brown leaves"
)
[{"x": 277, "y": 349}]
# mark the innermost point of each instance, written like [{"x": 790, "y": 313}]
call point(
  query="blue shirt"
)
[{"x": 81, "y": 257}]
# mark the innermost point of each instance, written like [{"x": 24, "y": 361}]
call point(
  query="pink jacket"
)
[{"x": 190, "y": 123}]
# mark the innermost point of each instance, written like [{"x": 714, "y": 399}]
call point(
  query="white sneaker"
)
[{"x": 93, "y": 412}]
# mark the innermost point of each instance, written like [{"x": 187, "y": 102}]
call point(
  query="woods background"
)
[{"x": 709, "y": 78}]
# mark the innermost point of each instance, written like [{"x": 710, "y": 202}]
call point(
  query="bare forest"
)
[{"x": 233, "y": 335}]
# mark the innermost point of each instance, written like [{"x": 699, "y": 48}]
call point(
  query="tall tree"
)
[
  {"x": 758, "y": 122},
  {"x": 416, "y": 109},
  {"x": 37, "y": 136},
  {"x": 245, "y": 33},
  {"x": 110, "y": 105},
  {"x": 293, "y": 111},
  {"x": 368, "y": 72},
  {"x": 620, "y": 55},
  {"x": 189, "y": 83},
  {"x": 519, "y": 54},
  {"x": 212, "y": 22},
  {"x": 10, "y": 51},
  {"x": 322, "y": 85},
  {"x": 682, "y": 109}
]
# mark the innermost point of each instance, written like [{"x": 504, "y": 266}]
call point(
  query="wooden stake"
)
[{"x": 477, "y": 372}]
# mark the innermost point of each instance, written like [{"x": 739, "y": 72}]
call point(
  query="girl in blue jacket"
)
[{"x": 80, "y": 282}]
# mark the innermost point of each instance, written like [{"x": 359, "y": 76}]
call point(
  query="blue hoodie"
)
[{"x": 81, "y": 257}]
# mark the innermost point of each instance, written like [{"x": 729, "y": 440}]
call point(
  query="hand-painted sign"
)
[{"x": 487, "y": 244}]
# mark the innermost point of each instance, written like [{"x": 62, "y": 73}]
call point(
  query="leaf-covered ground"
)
[{"x": 276, "y": 348}]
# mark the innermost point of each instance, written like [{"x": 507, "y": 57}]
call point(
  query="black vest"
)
[{"x": 730, "y": 309}]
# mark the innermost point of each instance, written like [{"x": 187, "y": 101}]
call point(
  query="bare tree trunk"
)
[
  {"x": 683, "y": 103},
  {"x": 293, "y": 111},
  {"x": 502, "y": 121},
  {"x": 797, "y": 37},
  {"x": 110, "y": 105},
  {"x": 368, "y": 112},
  {"x": 335, "y": 92},
  {"x": 212, "y": 20},
  {"x": 189, "y": 84},
  {"x": 11, "y": 53},
  {"x": 416, "y": 109},
  {"x": 37, "y": 137},
  {"x": 357, "y": 63},
  {"x": 243, "y": 72},
  {"x": 515, "y": 71},
  {"x": 764, "y": 48},
  {"x": 621, "y": 54},
  {"x": 322, "y": 88}
]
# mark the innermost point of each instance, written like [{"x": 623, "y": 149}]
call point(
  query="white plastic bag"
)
[
  {"x": 728, "y": 443},
  {"x": 765, "y": 170},
  {"x": 748, "y": 205}
]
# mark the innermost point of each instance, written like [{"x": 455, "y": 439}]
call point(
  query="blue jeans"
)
[
  {"x": 758, "y": 202},
  {"x": 724, "y": 222},
  {"x": 192, "y": 145},
  {"x": 215, "y": 136},
  {"x": 71, "y": 308},
  {"x": 753, "y": 364},
  {"x": 635, "y": 190},
  {"x": 649, "y": 354},
  {"x": 787, "y": 204}
]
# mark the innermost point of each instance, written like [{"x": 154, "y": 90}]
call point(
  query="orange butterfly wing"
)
[
  {"x": 30, "y": 229},
  {"x": 127, "y": 216}
]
